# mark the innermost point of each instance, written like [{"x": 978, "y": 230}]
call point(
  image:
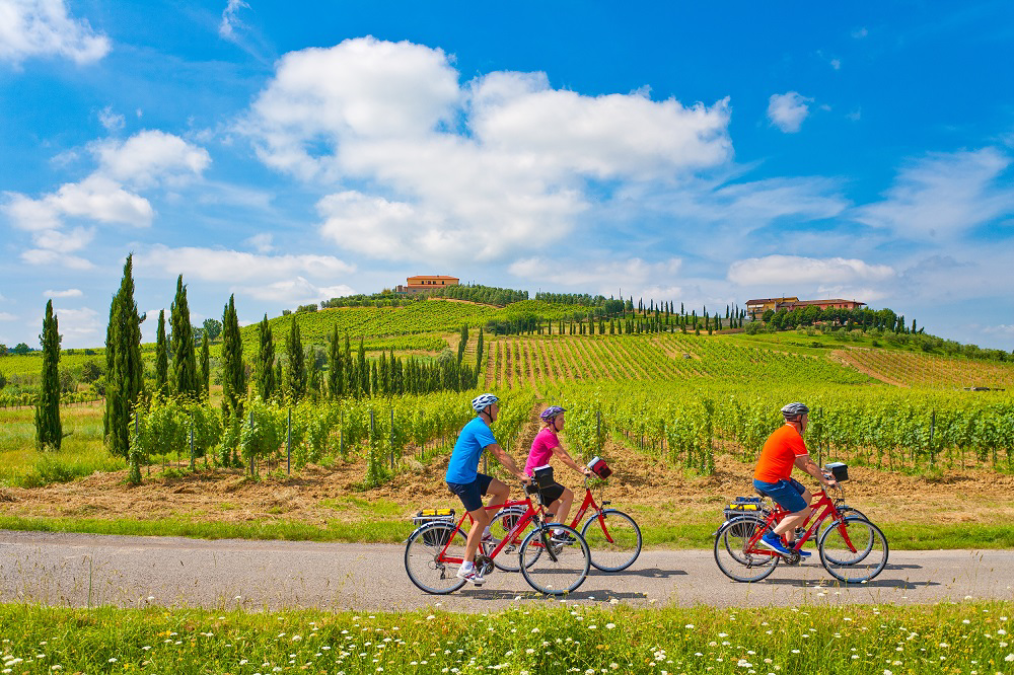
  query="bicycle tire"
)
[
  {"x": 853, "y": 532},
  {"x": 422, "y": 551},
  {"x": 556, "y": 569},
  {"x": 731, "y": 555},
  {"x": 509, "y": 557},
  {"x": 619, "y": 554}
]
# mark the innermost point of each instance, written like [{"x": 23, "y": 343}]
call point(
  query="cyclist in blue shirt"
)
[{"x": 463, "y": 478}]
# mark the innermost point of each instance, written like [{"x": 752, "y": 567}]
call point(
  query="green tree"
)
[
  {"x": 183, "y": 371},
  {"x": 212, "y": 328},
  {"x": 233, "y": 373},
  {"x": 335, "y": 368},
  {"x": 462, "y": 342},
  {"x": 48, "y": 432},
  {"x": 161, "y": 357},
  {"x": 264, "y": 380},
  {"x": 124, "y": 368},
  {"x": 20, "y": 349},
  {"x": 478, "y": 352},
  {"x": 295, "y": 374},
  {"x": 204, "y": 383}
]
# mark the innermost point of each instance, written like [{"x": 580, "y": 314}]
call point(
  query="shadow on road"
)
[
  {"x": 890, "y": 566},
  {"x": 651, "y": 573}
]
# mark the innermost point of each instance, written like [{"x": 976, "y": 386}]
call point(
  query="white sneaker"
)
[{"x": 472, "y": 575}]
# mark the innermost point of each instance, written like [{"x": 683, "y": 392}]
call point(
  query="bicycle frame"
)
[
  {"x": 589, "y": 503},
  {"x": 528, "y": 516},
  {"x": 820, "y": 511}
]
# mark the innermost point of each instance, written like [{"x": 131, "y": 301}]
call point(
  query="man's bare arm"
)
[
  {"x": 507, "y": 461},
  {"x": 806, "y": 463}
]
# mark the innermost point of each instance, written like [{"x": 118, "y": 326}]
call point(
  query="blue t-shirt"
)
[{"x": 473, "y": 439}]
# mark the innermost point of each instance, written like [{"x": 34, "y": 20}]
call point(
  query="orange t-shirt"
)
[{"x": 779, "y": 454}]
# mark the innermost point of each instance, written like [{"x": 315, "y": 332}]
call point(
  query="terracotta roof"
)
[
  {"x": 836, "y": 301},
  {"x": 433, "y": 276}
]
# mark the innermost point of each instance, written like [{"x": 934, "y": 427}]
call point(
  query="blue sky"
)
[{"x": 705, "y": 153}]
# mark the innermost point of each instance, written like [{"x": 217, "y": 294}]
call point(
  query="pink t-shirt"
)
[{"x": 542, "y": 450}]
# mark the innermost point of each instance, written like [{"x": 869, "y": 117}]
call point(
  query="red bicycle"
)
[
  {"x": 613, "y": 537},
  {"x": 551, "y": 563},
  {"x": 852, "y": 549}
]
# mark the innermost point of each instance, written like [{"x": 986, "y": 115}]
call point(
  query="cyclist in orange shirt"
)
[{"x": 773, "y": 477}]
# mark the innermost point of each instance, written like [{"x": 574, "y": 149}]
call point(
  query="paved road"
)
[{"x": 78, "y": 570}]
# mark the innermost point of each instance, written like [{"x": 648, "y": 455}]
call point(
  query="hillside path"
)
[{"x": 82, "y": 570}]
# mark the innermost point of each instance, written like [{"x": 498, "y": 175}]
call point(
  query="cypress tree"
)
[
  {"x": 161, "y": 357},
  {"x": 478, "y": 352},
  {"x": 362, "y": 371},
  {"x": 462, "y": 342},
  {"x": 295, "y": 376},
  {"x": 48, "y": 432},
  {"x": 335, "y": 368},
  {"x": 265, "y": 377},
  {"x": 205, "y": 379},
  {"x": 183, "y": 373},
  {"x": 233, "y": 373},
  {"x": 374, "y": 385},
  {"x": 125, "y": 369}
]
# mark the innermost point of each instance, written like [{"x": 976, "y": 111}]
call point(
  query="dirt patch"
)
[{"x": 843, "y": 357}]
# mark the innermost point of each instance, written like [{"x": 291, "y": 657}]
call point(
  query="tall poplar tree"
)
[
  {"x": 48, "y": 432},
  {"x": 183, "y": 372},
  {"x": 205, "y": 374},
  {"x": 124, "y": 368},
  {"x": 295, "y": 375},
  {"x": 478, "y": 351},
  {"x": 265, "y": 375},
  {"x": 335, "y": 368},
  {"x": 233, "y": 374},
  {"x": 161, "y": 357}
]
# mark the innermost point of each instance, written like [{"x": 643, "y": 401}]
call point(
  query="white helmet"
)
[{"x": 483, "y": 401}]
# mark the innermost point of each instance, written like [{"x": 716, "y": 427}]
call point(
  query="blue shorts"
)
[
  {"x": 788, "y": 494},
  {"x": 471, "y": 493}
]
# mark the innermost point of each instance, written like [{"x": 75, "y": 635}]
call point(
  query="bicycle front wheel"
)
[
  {"x": 508, "y": 559},
  {"x": 842, "y": 511},
  {"x": 433, "y": 555},
  {"x": 552, "y": 564},
  {"x": 853, "y": 550},
  {"x": 614, "y": 540},
  {"x": 737, "y": 557}
]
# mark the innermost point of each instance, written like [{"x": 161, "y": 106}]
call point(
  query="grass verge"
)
[
  {"x": 949, "y": 638},
  {"x": 900, "y": 536}
]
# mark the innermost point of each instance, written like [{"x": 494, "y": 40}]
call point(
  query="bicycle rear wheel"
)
[
  {"x": 614, "y": 540},
  {"x": 426, "y": 557},
  {"x": 734, "y": 554},
  {"x": 853, "y": 550},
  {"x": 508, "y": 559},
  {"x": 554, "y": 568}
]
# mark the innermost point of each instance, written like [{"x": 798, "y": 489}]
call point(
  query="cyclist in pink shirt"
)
[{"x": 545, "y": 445}]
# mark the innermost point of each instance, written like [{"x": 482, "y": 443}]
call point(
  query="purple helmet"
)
[{"x": 551, "y": 412}]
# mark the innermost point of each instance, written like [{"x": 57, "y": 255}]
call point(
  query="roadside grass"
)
[
  {"x": 952, "y": 638},
  {"x": 82, "y": 452},
  {"x": 901, "y": 536}
]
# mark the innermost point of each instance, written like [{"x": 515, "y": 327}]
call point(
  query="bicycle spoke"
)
[
  {"x": 551, "y": 567},
  {"x": 508, "y": 559},
  {"x": 614, "y": 540},
  {"x": 853, "y": 550},
  {"x": 429, "y": 553},
  {"x": 737, "y": 553}
]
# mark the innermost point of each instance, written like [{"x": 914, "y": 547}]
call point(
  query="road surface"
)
[{"x": 89, "y": 570}]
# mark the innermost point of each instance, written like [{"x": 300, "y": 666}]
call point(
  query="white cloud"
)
[
  {"x": 64, "y": 242},
  {"x": 78, "y": 326},
  {"x": 784, "y": 269},
  {"x": 230, "y": 19},
  {"x": 237, "y": 266},
  {"x": 7, "y": 316},
  {"x": 787, "y": 111},
  {"x": 944, "y": 195},
  {"x": 1004, "y": 330},
  {"x": 487, "y": 170},
  {"x": 113, "y": 122},
  {"x": 69, "y": 293},
  {"x": 43, "y": 28},
  {"x": 45, "y": 257},
  {"x": 264, "y": 242},
  {"x": 860, "y": 33},
  {"x": 149, "y": 158},
  {"x": 607, "y": 276},
  {"x": 99, "y": 198},
  {"x": 298, "y": 291}
]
